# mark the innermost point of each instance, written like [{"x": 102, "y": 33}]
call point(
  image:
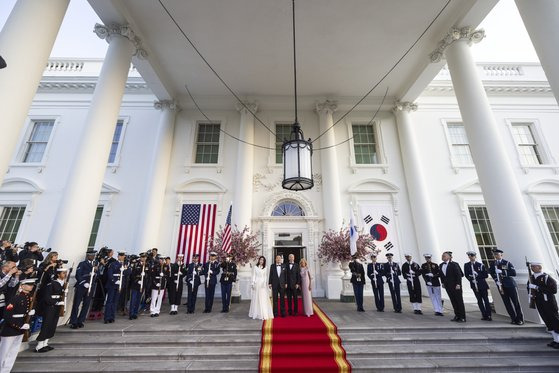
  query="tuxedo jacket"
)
[
  {"x": 293, "y": 275},
  {"x": 274, "y": 279},
  {"x": 453, "y": 275}
]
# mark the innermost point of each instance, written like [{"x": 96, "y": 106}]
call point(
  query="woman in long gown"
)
[
  {"x": 306, "y": 287},
  {"x": 260, "y": 305}
]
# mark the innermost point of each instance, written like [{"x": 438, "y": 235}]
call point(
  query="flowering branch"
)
[
  {"x": 334, "y": 246},
  {"x": 244, "y": 245}
]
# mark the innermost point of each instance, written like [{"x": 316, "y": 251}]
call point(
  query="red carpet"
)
[{"x": 300, "y": 343}]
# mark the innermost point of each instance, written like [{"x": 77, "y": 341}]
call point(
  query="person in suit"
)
[
  {"x": 357, "y": 280},
  {"x": 411, "y": 271},
  {"x": 210, "y": 271},
  {"x": 193, "y": 282},
  {"x": 392, "y": 274},
  {"x": 543, "y": 289},
  {"x": 82, "y": 293},
  {"x": 476, "y": 273},
  {"x": 503, "y": 272},
  {"x": 431, "y": 274},
  {"x": 278, "y": 283},
  {"x": 293, "y": 285},
  {"x": 451, "y": 277},
  {"x": 228, "y": 277},
  {"x": 375, "y": 271}
]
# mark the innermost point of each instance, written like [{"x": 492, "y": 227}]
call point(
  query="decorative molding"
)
[
  {"x": 87, "y": 86},
  {"x": 20, "y": 185},
  {"x": 467, "y": 33},
  {"x": 259, "y": 181},
  {"x": 247, "y": 108},
  {"x": 404, "y": 106},
  {"x": 305, "y": 204},
  {"x": 328, "y": 106},
  {"x": 500, "y": 89},
  {"x": 107, "y": 32},
  {"x": 200, "y": 185},
  {"x": 166, "y": 105}
]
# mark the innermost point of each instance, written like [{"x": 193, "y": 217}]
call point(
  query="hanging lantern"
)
[{"x": 297, "y": 161}]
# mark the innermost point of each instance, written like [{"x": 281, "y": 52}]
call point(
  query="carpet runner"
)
[{"x": 301, "y": 343}]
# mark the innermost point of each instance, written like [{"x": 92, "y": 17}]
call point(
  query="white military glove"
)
[
  {"x": 59, "y": 304},
  {"x": 86, "y": 285},
  {"x": 139, "y": 282},
  {"x": 429, "y": 275},
  {"x": 532, "y": 286},
  {"x": 498, "y": 271},
  {"x": 25, "y": 327},
  {"x": 32, "y": 312},
  {"x": 430, "y": 283},
  {"x": 412, "y": 272},
  {"x": 176, "y": 282},
  {"x": 117, "y": 283},
  {"x": 158, "y": 285},
  {"x": 161, "y": 274},
  {"x": 475, "y": 273}
]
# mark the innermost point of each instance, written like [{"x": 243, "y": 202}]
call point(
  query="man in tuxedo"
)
[
  {"x": 451, "y": 278},
  {"x": 293, "y": 285},
  {"x": 503, "y": 272},
  {"x": 278, "y": 283}
]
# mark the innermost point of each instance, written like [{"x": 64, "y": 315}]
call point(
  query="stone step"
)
[
  {"x": 450, "y": 327},
  {"x": 497, "y": 337},
  {"x": 159, "y": 341}
]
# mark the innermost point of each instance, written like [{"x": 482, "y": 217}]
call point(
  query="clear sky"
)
[{"x": 506, "y": 40}]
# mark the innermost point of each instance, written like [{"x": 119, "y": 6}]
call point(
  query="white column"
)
[
  {"x": 418, "y": 193},
  {"x": 76, "y": 211},
  {"x": 242, "y": 195},
  {"x": 509, "y": 216},
  {"x": 25, "y": 43},
  {"x": 541, "y": 18},
  {"x": 331, "y": 198},
  {"x": 151, "y": 205}
]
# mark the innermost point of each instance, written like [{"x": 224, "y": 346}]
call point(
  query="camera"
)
[{"x": 60, "y": 262}]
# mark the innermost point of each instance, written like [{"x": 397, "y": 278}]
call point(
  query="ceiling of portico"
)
[{"x": 343, "y": 46}]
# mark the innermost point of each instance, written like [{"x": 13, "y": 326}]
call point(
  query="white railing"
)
[
  {"x": 502, "y": 70},
  {"x": 64, "y": 65}
]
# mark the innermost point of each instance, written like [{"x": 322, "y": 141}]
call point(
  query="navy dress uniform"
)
[
  {"x": 503, "y": 272},
  {"x": 392, "y": 274},
  {"x": 115, "y": 276},
  {"x": 543, "y": 288},
  {"x": 176, "y": 283},
  {"x": 476, "y": 273},
  {"x": 210, "y": 271},
  {"x": 83, "y": 292},
  {"x": 411, "y": 271},
  {"x": 138, "y": 285},
  {"x": 375, "y": 271},
  {"x": 358, "y": 281},
  {"x": 431, "y": 275},
  {"x": 15, "y": 325},
  {"x": 193, "y": 273},
  {"x": 51, "y": 302},
  {"x": 228, "y": 277}
]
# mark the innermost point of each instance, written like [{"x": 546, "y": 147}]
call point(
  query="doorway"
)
[{"x": 289, "y": 243}]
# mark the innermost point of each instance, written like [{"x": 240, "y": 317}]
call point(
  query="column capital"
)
[
  {"x": 327, "y": 106},
  {"x": 107, "y": 32},
  {"x": 166, "y": 105},
  {"x": 467, "y": 33},
  {"x": 252, "y": 106},
  {"x": 404, "y": 106}
]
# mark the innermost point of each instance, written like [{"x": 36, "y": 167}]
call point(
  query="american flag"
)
[
  {"x": 226, "y": 246},
  {"x": 196, "y": 230}
]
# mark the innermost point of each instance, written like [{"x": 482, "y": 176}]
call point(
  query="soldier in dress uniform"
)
[
  {"x": 193, "y": 273},
  {"x": 138, "y": 283},
  {"x": 51, "y": 303},
  {"x": 431, "y": 274},
  {"x": 115, "y": 278},
  {"x": 392, "y": 274},
  {"x": 375, "y": 271},
  {"x": 153, "y": 257},
  {"x": 357, "y": 280},
  {"x": 503, "y": 272},
  {"x": 476, "y": 273},
  {"x": 15, "y": 324},
  {"x": 411, "y": 271},
  {"x": 211, "y": 270},
  {"x": 228, "y": 277},
  {"x": 176, "y": 283},
  {"x": 543, "y": 289},
  {"x": 158, "y": 282},
  {"x": 85, "y": 278}
]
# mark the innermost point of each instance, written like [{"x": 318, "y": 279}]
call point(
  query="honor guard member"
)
[
  {"x": 115, "y": 277},
  {"x": 158, "y": 284},
  {"x": 153, "y": 257},
  {"x": 176, "y": 283},
  {"x": 211, "y": 270},
  {"x": 357, "y": 280},
  {"x": 52, "y": 302},
  {"x": 138, "y": 283},
  {"x": 476, "y": 273},
  {"x": 543, "y": 289},
  {"x": 503, "y": 273},
  {"x": 431, "y": 274},
  {"x": 124, "y": 291},
  {"x": 451, "y": 278},
  {"x": 375, "y": 271},
  {"x": 411, "y": 272},
  {"x": 16, "y": 323},
  {"x": 193, "y": 273},
  {"x": 392, "y": 274},
  {"x": 228, "y": 277},
  {"x": 85, "y": 282}
]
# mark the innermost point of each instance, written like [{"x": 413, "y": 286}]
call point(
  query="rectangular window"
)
[
  {"x": 483, "y": 232},
  {"x": 283, "y": 132},
  {"x": 116, "y": 141},
  {"x": 95, "y": 227},
  {"x": 207, "y": 143},
  {"x": 10, "y": 220},
  {"x": 37, "y": 143},
  {"x": 364, "y": 144},
  {"x": 526, "y": 144},
  {"x": 460, "y": 147},
  {"x": 551, "y": 215}
]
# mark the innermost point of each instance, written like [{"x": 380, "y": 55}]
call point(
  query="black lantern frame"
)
[{"x": 297, "y": 152}]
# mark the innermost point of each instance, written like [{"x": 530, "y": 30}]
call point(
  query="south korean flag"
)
[{"x": 378, "y": 221}]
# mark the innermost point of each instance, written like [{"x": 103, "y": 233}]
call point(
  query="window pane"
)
[
  {"x": 526, "y": 144},
  {"x": 460, "y": 146},
  {"x": 207, "y": 144},
  {"x": 551, "y": 215},
  {"x": 116, "y": 140},
  {"x": 37, "y": 142},
  {"x": 364, "y": 144},
  {"x": 10, "y": 220},
  {"x": 283, "y": 132},
  {"x": 483, "y": 232},
  {"x": 288, "y": 208},
  {"x": 95, "y": 227}
]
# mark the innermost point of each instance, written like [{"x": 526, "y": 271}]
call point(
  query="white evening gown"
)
[{"x": 260, "y": 304}]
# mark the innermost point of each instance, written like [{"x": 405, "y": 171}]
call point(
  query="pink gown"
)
[{"x": 306, "y": 295}]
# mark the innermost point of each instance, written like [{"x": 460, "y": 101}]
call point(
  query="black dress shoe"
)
[
  {"x": 80, "y": 325},
  {"x": 398, "y": 311},
  {"x": 520, "y": 322},
  {"x": 73, "y": 326},
  {"x": 513, "y": 322},
  {"x": 439, "y": 314},
  {"x": 111, "y": 321},
  {"x": 156, "y": 315},
  {"x": 49, "y": 348},
  {"x": 44, "y": 349},
  {"x": 223, "y": 311},
  {"x": 419, "y": 312},
  {"x": 556, "y": 346},
  {"x": 360, "y": 310},
  {"x": 461, "y": 320},
  {"x": 106, "y": 322},
  {"x": 380, "y": 310},
  {"x": 206, "y": 311},
  {"x": 551, "y": 344}
]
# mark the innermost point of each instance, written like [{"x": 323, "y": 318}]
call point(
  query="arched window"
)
[{"x": 288, "y": 208}]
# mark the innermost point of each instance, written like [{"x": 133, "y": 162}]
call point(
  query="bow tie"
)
[{"x": 279, "y": 265}]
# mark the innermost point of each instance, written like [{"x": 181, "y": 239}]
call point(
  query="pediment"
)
[
  {"x": 109, "y": 189},
  {"x": 373, "y": 186},
  {"x": 200, "y": 186},
  {"x": 472, "y": 187},
  {"x": 20, "y": 185},
  {"x": 549, "y": 186}
]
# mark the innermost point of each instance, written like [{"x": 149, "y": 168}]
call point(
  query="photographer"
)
[
  {"x": 9, "y": 279},
  {"x": 32, "y": 251},
  {"x": 8, "y": 252}
]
